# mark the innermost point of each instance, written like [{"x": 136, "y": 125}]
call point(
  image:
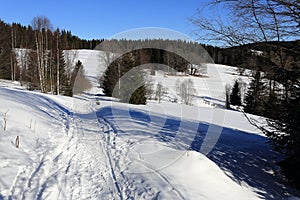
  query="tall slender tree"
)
[{"x": 41, "y": 25}]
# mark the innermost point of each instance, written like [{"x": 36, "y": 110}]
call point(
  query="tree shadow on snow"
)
[{"x": 247, "y": 157}]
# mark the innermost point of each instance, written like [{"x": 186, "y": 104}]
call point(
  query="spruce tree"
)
[
  {"x": 235, "y": 96},
  {"x": 256, "y": 96},
  {"x": 5, "y": 51},
  {"x": 139, "y": 96},
  {"x": 118, "y": 82}
]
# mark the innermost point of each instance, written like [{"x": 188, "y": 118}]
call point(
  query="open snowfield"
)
[{"x": 91, "y": 147}]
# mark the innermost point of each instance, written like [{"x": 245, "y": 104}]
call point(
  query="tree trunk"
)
[{"x": 57, "y": 66}]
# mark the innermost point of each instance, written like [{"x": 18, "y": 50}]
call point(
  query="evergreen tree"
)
[
  {"x": 235, "y": 96},
  {"x": 285, "y": 122},
  {"x": 5, "y": 51},
  {"x": 68, "y": 84},
  {"x": 110, "y": 78},
  {"x": 255, "y": 97},
  {"x": 139, "y": 96},
  {"x": 119, "y": 82},
  {"x": 82, "y": 83},
  {"x": 227, "y": 96}
]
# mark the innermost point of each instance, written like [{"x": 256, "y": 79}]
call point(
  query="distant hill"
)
[{"x": 259, "y": 55}]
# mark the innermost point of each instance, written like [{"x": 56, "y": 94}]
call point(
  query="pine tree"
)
[{"x": 235, "y": 96}]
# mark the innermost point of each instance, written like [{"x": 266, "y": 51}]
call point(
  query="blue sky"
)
[{"x": 102, "y": 19}]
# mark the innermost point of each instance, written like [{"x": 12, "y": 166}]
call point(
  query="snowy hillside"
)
[{"x": 90, "y": 147}]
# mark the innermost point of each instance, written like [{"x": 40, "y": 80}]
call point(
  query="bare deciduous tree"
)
[
  {"x": 160, "y": 91},
  {"x": 23, "y": 63},
  {"x": 41, "y": 25},
  {"x": 249, "y": 21},
  {"x": 186, "y": 90},
  {"x": 70, "y": 59},
  {"x": 106, "y": 58}
]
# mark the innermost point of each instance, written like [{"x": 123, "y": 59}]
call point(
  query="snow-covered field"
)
[{"x": 90, "y": 147}]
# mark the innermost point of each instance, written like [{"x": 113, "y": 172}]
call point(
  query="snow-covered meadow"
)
[{"x": 91, "y": 147}]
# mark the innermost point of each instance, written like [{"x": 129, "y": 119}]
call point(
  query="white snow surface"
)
[{"x": 92, "y": 147}]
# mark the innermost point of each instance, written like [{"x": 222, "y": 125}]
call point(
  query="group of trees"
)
[
  {"x": 122, "y": 81},
  {"x": 264, "y": 26},
  {"x": 243, "y": 55},
  {"x": 122, "y": 74},
  {"x": 34, "y": 55},
  {"x": 162, "y": 51}
]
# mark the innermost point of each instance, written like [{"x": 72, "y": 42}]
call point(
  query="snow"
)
[
  {"x": 256, "y": 52},
  {"x": 92, "y": 147}
]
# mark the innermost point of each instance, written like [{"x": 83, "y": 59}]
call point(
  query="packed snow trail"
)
[
  {"x": 68, "y": 162},
  {"x": 67, "y": 170},
  {"x": 110, "y": 154},
  {"x": 128, "y": 187}
]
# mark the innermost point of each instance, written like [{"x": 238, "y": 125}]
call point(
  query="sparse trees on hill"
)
[{"x": 33, "y": 55}]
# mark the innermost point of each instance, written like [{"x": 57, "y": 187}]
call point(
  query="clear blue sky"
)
[{"x": 102, "y": 19}]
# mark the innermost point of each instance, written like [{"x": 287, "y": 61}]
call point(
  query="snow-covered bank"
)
[
  {"x": 61, "y": 154},
  {"x": 247, "y": 158}
]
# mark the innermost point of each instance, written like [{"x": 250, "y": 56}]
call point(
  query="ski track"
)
[
  {"x": 131, "y": 189},
  {"x": 68, "y": 169},
  {"x": 87, "y": 161}
]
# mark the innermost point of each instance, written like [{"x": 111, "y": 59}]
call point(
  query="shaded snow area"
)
[{"x": 93, "y": 147}]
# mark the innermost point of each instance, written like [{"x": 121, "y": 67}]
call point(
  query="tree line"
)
[{"x": 34, "y": 55}]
